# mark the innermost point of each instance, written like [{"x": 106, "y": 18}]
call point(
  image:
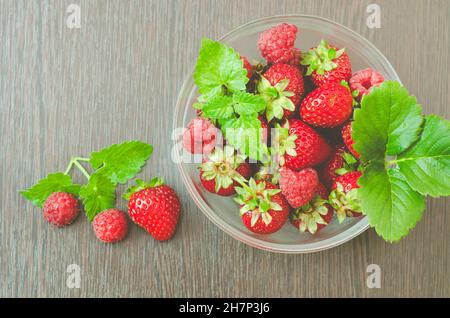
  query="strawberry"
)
[
  {"x": 277, "y": 44},
  {"x": 110, "y": 226},
  {"x": 363, "y": 81},
  {"x": 282, "y": 88},
  {"x": 344, "y": 197},
  {"x": 263, "y": 208},
  {"x": 154, "y": 207},
  {"x": 327, "y": 106},
  {"x": 339, "y": 163},
  {"x": 314, "y": 215},
  {"x": 247, "y": 66},
  {"x": 348, "y": 139},
  {"x": 199, "y": 136},
  {"x": 327, "y": 64},
  {"x": 298, "y": 187},
  {"x": 264, "y": 127},
  {"x": 223, "y": 170},
  {"x": 299, "y": 146},
  {"x": 61, "y": 208}
]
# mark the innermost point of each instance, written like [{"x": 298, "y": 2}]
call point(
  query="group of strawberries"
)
[{"x": 310, "y": 96}]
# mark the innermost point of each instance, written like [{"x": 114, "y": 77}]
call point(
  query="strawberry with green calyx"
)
[
  {"x": 344, "y": 196},
  {"x": 263, "y": 208},
  {"x": 302, "y": 147},
  {"x": 223, "y": 170},
  {"x": 314, "y": 215},
  {"x": 327, "y": 106},
  {"x": 155, "y": 207},
  {"x": 282, "y": 88},
  {"x": 339, "y": 163},
  {"x": 327, "y": 64}
]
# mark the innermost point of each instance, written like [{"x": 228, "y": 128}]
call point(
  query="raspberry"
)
[
  {"x": 298, "y": 187},
  {"x": 61, "y": 208},
  {"x": 110, "y": 226},
  {"x": 199, "y": 136},
  {"x": 364, "y": 80},
  {"x": 277, "y": 43}
]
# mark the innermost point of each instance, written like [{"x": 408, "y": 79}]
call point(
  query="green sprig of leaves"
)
[{"x": 406, "y": 157}]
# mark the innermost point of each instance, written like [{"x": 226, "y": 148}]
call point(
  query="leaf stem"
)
[
  {"x": 81, "y": 168},
  {"x": 69, "y": 167}
]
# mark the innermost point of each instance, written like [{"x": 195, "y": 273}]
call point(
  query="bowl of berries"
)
[{"x": 267, "y": 150}]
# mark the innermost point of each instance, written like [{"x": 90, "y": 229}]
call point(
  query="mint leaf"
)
[
  {"x": 218, "y": 107},
  {"x": 54, "y": 182},
  {"x": 98, "y": 194},
  {"x": 390, "y": 204},
  {"x": 121, "y": 162},
  {"x": 218, "y": 67},
  {"x": 244, "y": 133},
  {"x": 387, "y": 123},
  {"x": 426, "y": 165},
  {"x": 248, "y": 104}
]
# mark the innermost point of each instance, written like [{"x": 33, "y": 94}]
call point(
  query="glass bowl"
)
[{"x": 224, "y": 212}]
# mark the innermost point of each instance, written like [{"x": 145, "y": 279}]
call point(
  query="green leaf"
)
[
  {"x": 121, "y": 162},
  {"x": 248, "y": 104},
  {"x": 218, "y": 67},
  {"x": 426, "y": 165},
  {"x": 98, "y": 194},
  {"x": 218, "y": 107},
  {"x": 387, "y": 123},
  {"x": 54, "y": 182},
  {"x": 244, "y": 133},
  {"x": 390, "y": 204}
]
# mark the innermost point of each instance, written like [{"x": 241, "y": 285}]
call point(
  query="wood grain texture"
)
[{"x": 70, "y": 91}]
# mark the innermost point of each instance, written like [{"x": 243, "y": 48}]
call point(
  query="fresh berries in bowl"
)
[{"x": 333, "y": 152}]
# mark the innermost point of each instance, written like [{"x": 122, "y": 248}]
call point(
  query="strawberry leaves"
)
[
  {"x": 98, "y": 194},
  {"x": 54, "y": 182},
  {"x": 403, "y": 160}
]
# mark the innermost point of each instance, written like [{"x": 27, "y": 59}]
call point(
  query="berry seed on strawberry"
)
[
  {"x": 314, "y": 215},
  {"x": 247, "y": 66},
  {"x": 61, "y": 208},
  {"x": 340, "y": 162},
  {"x": 364, "y": 80},
  {"x": 327, "y": 106},
  {"x": 348, "y": 139},
  {"x": 344, "y": 196},
  {"x": 264, "y": 210},
  {"x": 110, "y": 226},
  {"x": 327, "y": 64},
  {"x": 277, "y": 44},
  {"x": 282, "y": 88}
]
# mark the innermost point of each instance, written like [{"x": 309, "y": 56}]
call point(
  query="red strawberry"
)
[
  {"x": 298, "y": 187},
  {"x": 154, "y": 207},
  {"x": 314, "y": 215},
  {"x": 282, "y": 88},
  {"x": 363, "y": 81},
  {"x": 223, "y": 170},
  {"x": 247, "y": 66},
  {"x": 327, "y": 64},
  {"x": 264, "y": 127},
  {"x": 327, "y": 106},
  {"x": 264, "y": 210},
  {"x": 348, "y": 139},
  {"x": 110, "y": 226},
  {"x": 339, "y": 163},
  {"x": 277, "y": 43},
  {"x": 300, "y": 146},
  {"x": 199, "y": 136},
  {"x": 61, "y": 208},
  {"x": 344, "y": 197}
]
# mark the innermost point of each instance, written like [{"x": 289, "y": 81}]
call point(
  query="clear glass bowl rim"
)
[{"x": 328, "y": 243}]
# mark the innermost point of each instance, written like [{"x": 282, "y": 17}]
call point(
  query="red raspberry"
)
[
  {"x": 110, "y": 226},
  {"x": 298, "y": 187},
  {"x": 61, "y": 208},
  {"x": 277, "y": 43},
  {"x": 364, "y": 80},
  {"x": 199, "y": 136}
]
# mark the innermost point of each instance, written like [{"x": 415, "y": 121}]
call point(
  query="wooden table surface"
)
[{"x": 67, "y": 92}]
